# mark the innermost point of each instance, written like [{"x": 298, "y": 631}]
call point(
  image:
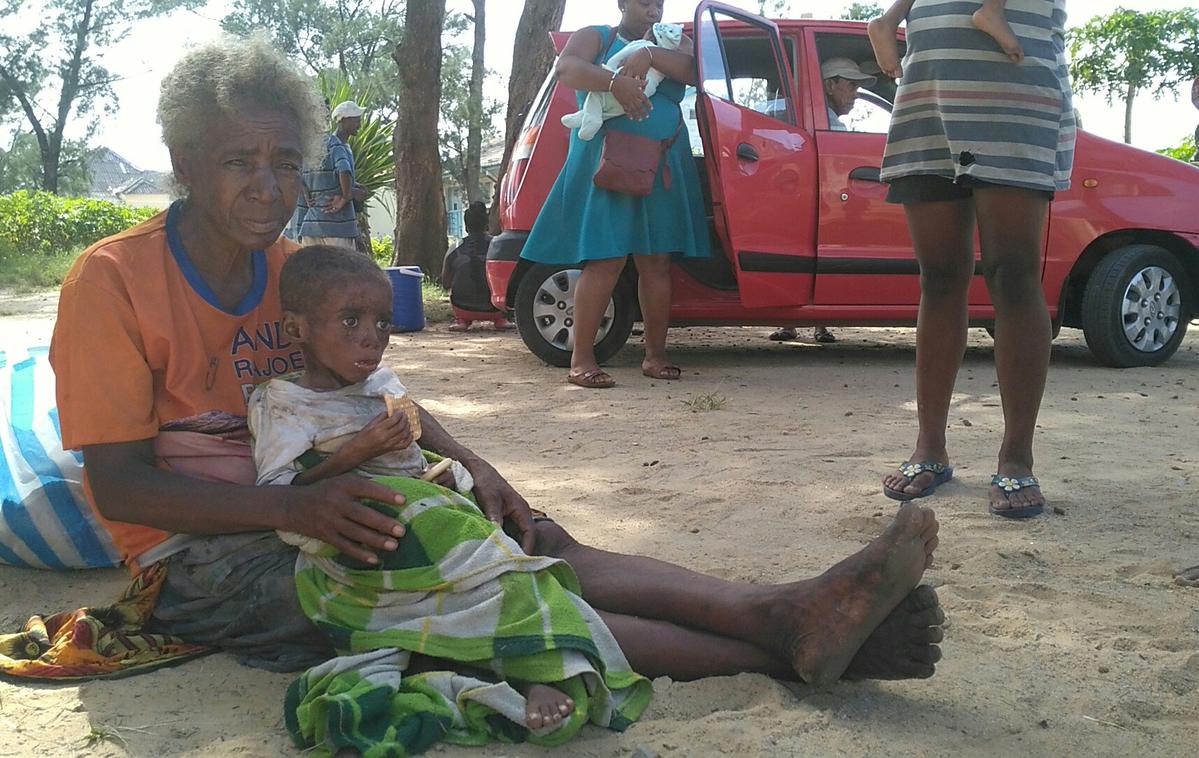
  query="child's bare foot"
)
[
  {"x": 546, "y": 706},
  {"x": 886, "y": 46},
  {"x": 992, "y": 21}
]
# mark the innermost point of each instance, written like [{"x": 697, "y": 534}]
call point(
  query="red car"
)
[{"x": 801, "y": 231}]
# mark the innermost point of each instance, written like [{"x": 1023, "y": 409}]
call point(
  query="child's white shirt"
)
[{"x": 288, "y": 420}]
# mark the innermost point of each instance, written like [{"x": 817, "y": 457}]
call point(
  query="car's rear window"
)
[{"x": 541, "y": 103}]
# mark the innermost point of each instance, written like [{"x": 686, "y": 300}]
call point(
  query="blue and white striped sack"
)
[{"x": 45, "y": 521}]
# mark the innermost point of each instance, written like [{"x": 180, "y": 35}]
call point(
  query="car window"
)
[
  {"x": 692, "y": 122},
  {"x": 743, "y": 69},
  {"x": 870, "y": 114}
]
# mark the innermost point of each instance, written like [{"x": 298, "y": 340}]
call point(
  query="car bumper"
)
[{"x": 502, "y": 257}]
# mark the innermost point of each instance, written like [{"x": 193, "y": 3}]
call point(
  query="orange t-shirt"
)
[{"x": 141, "y": 340}]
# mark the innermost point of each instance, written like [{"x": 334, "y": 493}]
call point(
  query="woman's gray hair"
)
[{"x": 223, "y": 77}]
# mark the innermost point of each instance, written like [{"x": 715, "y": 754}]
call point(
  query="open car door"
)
[{"x": 762, "y": 164}]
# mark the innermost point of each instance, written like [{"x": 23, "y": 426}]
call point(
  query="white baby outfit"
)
[{"x": 599, "y": 106}]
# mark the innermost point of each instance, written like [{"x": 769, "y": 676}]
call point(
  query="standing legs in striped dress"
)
[{"x": 1011, "y": 225}]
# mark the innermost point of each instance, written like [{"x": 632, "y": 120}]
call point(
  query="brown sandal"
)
[
  {"x": 666, "y": 373},
  {"x": 595, "y": 379}
]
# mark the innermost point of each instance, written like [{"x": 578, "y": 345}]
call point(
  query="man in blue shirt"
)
[{"x": 331, "y": 190}]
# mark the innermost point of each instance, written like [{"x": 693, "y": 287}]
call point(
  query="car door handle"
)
[
  {"x": 747, "y": 153},
  {"x": 866, "y": 174}
]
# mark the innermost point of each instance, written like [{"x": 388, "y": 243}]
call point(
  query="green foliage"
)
[
  {"x": 455, "y": 112},
  {"x": 1127, "y": 52},
  {"x": 58, "y": 62},
  {"x": 774, "y": 8},
  {"x": 382, "y": 250},
  {"x": 437, "y": 302},
  {"x": 43, "y": 224},
  {"x": 1185, "y": 151},
  {"x": 353, "y": 39},
  {"x": 21, "y": 166},
  {"x": 862, "y": 11},
  {"x": 31, "y": 273}
]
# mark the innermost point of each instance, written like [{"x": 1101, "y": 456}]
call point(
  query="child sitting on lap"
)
[{"x": 334, "y": 418}]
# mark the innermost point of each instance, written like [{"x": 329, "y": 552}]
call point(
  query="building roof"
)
[{"x": 113, "y": 175}]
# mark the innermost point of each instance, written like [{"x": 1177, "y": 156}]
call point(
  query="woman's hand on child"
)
[
  {"x": 331, "y": 511},
  {"x": 384, "y": 434},
  {"x": 500, "y": 501},
  {"x": 630, "y": 93},
  {"x": 638, "y": 64}
]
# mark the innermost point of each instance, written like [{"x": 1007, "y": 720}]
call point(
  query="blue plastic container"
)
[{"x": 407, "y": 305}]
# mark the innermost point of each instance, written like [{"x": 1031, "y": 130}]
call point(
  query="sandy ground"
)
[{"x": 1066, "y": 635}]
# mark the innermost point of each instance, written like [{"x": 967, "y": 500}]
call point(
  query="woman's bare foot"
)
[
  {"x": 883, "y": 38},
  {"x": 545, "y": 706},
  {"x": 904, "y": 646},
  {"x": 898, "y": 482},
  {"x": 823, "y": 622},
  {"x": 992, "y": 21}
]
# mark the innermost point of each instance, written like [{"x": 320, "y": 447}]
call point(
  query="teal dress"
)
[{"x": 580, "y": 222}]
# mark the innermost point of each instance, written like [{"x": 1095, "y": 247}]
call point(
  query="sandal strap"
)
[
  {"x": 1014, "y": 484},
  {"x": 912, "y": 470}
]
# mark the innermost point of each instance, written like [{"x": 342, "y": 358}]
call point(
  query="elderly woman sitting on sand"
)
[{"x": 172, "y": 324}]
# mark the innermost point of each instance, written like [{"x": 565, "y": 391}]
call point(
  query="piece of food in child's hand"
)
[
  {"x": 436, "y": 469},
  {"x": 396, "y": 403}
]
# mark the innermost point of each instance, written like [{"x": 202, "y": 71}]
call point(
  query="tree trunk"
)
[
  {"x": 50, "y": 162},
  {"x": 1128, "y": 98},
  {"x": 474, "y": 107},
  {"x": 532, "y": 56},
  {"x": 52, "y": 149},
  {"x": 420, "y": 234}
]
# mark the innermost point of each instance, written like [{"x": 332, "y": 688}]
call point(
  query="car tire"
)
[
  {"x": 1136, "y": 306},
  {"x": 545, "y": 315}
]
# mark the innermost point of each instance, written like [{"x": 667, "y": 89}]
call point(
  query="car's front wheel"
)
[
  {"x": 545, "y": 315},
  {"x": 1136, "y": 306}
]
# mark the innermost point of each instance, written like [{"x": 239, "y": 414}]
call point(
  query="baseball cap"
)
[
  {"x": 347, "y": 109},
  {"x": 844, "y": 68}
]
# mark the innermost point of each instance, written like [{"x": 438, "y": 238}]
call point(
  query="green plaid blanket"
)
[{"x": 457, "y": 589}]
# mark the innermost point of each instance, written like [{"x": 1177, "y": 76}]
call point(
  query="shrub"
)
[
  {"x": 381, "y": 249},
  {"x": 1185, "y": 151},
  {"x": 41, "y": 223}
]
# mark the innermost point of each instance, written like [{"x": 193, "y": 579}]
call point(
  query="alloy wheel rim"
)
[
  {"x": 1151, "y": 310},
  {"x": 554, "y": 310}
]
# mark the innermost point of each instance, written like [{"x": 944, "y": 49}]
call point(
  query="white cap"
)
[
  {"x": 844, "y": 68},
  {"x": 347, "y": 109}
]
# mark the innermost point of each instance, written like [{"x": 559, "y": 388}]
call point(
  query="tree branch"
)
[{"x": 18, "y": 91}]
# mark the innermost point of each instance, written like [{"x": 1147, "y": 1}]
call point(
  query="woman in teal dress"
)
[{"x": 597, "y": 229}]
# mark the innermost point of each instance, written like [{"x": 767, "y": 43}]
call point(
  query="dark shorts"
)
[
  {"x": 237, "y": 592},
  {"x": 928, "y": 188}
]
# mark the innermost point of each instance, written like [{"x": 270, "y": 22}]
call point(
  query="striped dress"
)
[{"x": 964, "y": 110}]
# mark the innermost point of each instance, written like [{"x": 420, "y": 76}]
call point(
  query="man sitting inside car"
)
[{"x": 842, "y": 78}]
